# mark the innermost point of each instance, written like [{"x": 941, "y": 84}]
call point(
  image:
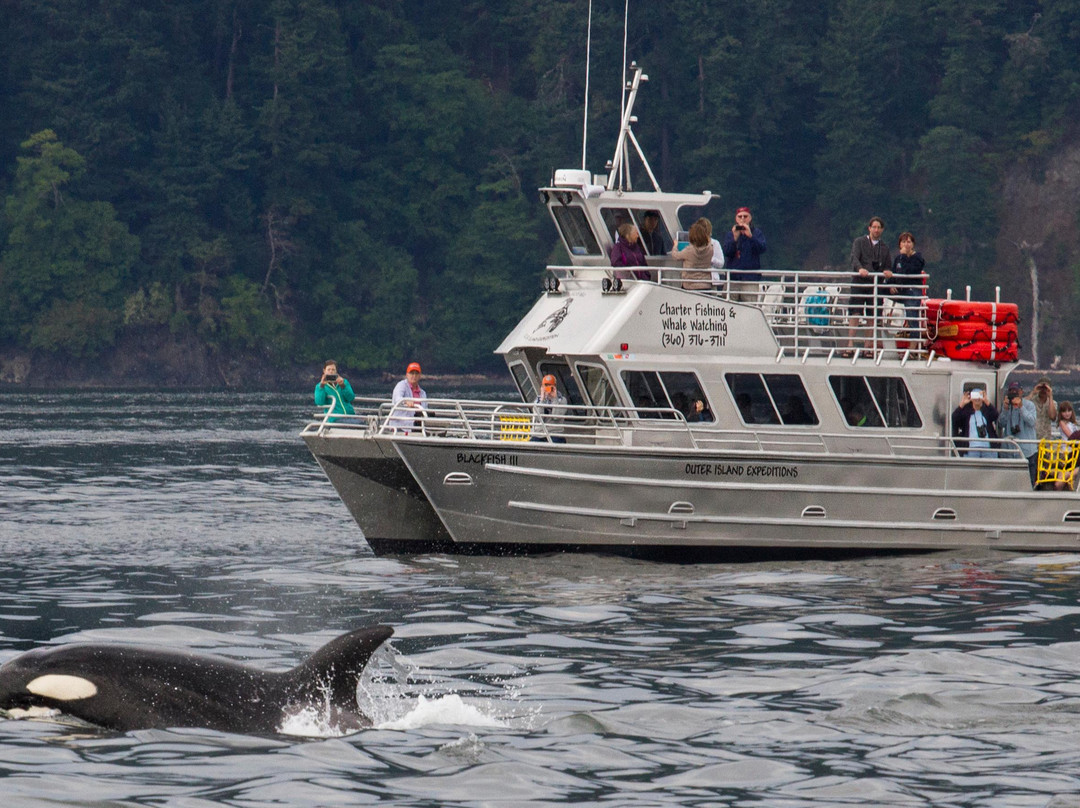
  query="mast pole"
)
[{"x": 585, "y": 122}]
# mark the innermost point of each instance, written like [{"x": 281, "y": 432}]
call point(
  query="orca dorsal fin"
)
[{"x": 338, "y": 665}]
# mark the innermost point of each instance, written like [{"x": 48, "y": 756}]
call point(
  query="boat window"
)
[
  {"x": 894, "y": 401},
  {"x": 658, "y": 240},
  {"x": 874, "y": 401},
  {"x": 597, "y": 386},
  {"x": 676, "y": 390},
  {"x": 564, "y": 380},
  {"x": 752, "y": 398},
  {"x": 613, "y": 217},
  {"x": 790, "y": 399},
  {"x": 683, "y": 389},
  {"x": 523, "y": 382},
  {"x": 575, "y": 230},
  {"x": 645, "y": 391}
]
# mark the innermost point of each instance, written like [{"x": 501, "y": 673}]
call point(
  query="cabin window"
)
[
  {"x": 523, "y": 382},
  {"x": 894, "y": 401},
  {"x": 771, "y": 398},
  {"x": 564, "y": 380},
  {"x": 613, "y": 217},
  {"x": 659, "y": 243},
  {"x": 597, "y": 386},
  {"x": 674, "y": 390},
  {"x": 575, "y": 230},
  {"x": 875, "y": 401}
]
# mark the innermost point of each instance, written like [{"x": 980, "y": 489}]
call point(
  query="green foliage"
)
[
  {"x": 247, "y": 321},
  {"x": 303, "y": 178},
  {"x": 73, "y": 328},
  {"x": 148, "y": 307},
  {"x": 64, "y": 259}
]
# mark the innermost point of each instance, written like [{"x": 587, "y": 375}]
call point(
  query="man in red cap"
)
[
  {"x": 743, "y": 247},
  {"x": 408, "y": 395}
]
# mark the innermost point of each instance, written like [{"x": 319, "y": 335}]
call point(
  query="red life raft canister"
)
[
  {"x": 981, "y": 351},
  {"x": 963, "y": 311},
  {"x": 976, "y": 331}
]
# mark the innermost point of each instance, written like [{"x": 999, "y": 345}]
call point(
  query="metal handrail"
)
[
  {"x": 578, "y": 424},
  {"x": 800, "y": 324}
]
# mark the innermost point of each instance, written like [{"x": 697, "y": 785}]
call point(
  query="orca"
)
[{"x": 129, "y": 687}]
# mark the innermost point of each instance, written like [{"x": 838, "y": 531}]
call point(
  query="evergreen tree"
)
[{"x": 63, "y": 259}]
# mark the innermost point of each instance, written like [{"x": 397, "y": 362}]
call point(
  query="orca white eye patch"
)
[{"x": 62, "y": 687}]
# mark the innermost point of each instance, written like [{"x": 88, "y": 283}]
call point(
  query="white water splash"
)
[
  {"x": 310, "y": 722},
  {"x": 449, "y": 709}
]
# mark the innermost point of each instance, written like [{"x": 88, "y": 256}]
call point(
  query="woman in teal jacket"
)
[{"x": 334, "y": 390}]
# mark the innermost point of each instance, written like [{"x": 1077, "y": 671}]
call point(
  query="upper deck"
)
[{"x": 796, "y": 314}]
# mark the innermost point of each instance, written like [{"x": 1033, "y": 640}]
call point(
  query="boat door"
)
[{"x": 966, "y": 382}]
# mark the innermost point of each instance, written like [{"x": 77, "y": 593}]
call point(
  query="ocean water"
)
[{"x": 199, "y": 521}]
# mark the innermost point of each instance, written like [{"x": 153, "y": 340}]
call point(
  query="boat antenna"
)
[
  {"x": 624, "y": 166},
  {"x": 588, "y": 56},
  {"x": 626, "y": 137}
]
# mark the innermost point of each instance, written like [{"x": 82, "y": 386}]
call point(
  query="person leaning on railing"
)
[{"x": 334, "y": 391}]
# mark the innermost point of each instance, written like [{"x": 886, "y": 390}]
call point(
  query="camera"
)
[
  {"x": 1015, "y": 430},
  {"x": 980, "y": 429},
  {"x": 331, "y": 377}
]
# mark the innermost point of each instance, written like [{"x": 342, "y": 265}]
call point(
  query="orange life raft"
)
[{"x": 973, "y": 330}]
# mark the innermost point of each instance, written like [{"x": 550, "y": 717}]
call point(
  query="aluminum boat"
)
[{"x": 820, "y": 432}]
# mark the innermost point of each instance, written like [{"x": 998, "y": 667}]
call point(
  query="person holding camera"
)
[
  {"x": 742, "y": 248},
  {"x": 870, "y": 262},
  {"x": 334, "y": 391},
  {"x": 1017, "y": 421},
  {"x": 1046, "y": 410},
  {"x": 973, "y": 424}
]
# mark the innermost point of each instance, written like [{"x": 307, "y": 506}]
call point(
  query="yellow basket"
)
[
  {"x": 1057, "y": 460},
  {"x": 515, "y": 427}
]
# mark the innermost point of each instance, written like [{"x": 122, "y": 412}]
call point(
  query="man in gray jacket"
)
[
  {"x": 1017, "y": 421},
  {"x": 870, "y": 257}
]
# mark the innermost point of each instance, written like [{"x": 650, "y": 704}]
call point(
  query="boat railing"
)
[
  {"x": 367, "y": 416},
  {"x": 810, "y": 313},
  {"x": 504, "y": 423}
]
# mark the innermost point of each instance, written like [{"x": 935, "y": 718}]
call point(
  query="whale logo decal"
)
[{"x": 554, "y": 320}]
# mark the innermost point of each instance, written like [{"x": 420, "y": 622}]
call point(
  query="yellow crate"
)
[
  {"x": 515, "y": 427},
  {"x": 1057, "y": 460}
]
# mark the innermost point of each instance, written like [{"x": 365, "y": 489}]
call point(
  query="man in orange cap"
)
[
  {"x": 550, "y": 401},
  {"x": 408, "y": 395}
]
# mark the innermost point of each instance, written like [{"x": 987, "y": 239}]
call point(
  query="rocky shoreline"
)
[
  {"x": 166, "y": 363},
  {"x": 180, "y": 365}
]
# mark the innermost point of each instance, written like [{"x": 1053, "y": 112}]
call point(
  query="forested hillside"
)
[{"x": 284, "y": 180}]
